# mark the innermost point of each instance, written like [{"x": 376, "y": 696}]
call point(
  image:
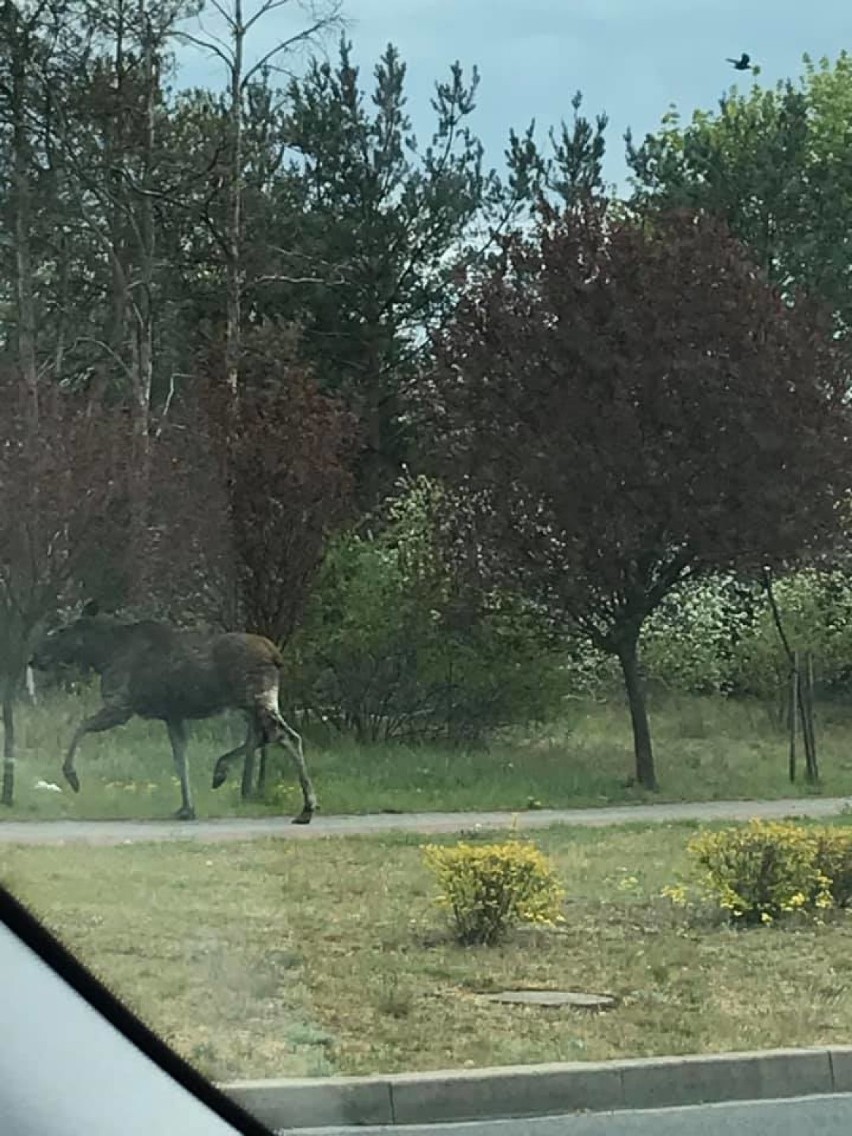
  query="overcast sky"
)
[{"x": 631, "y": 58}]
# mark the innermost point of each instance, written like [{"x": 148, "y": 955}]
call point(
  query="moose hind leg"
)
[
  {"x": 220, "y": 769},
  {"x": 107, "y": 718},
  {"x": 292, "y": 742},
  {"x": 178, "y": 738}
]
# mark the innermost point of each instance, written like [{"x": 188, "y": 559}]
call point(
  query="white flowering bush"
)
[
  {"x": 717, "y": 635},
  {"x": 816, "y": 612},
  {"x": 691, "y": 642}
]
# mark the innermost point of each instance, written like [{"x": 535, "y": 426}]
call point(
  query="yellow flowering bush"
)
[
  {"x": 488, "y": 888},
  {"x": 833, "y": 855},
  {"x": 765, "y": 869}
]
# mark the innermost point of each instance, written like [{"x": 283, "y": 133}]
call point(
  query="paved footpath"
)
[{"x": 255, "y": 828}]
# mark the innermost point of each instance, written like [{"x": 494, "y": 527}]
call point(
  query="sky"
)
[{"x": 630, "y": 58}]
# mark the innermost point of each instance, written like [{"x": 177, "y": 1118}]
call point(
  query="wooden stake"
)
[
  {"x": 806, "y": 701},
  {"x": 794, "y": 707}
]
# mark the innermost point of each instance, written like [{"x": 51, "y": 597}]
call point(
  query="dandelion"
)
[{"x": 677, "y": 893}]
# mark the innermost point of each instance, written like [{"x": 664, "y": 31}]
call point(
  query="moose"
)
[{"x": 154, "y": 670}]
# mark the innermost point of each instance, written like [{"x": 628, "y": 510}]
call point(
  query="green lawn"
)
[
  {"x": 706, "y": 748},
  {"x": 329, "y": 956}
]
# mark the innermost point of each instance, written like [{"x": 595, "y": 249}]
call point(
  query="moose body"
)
[{"x": 153, "y": 670}]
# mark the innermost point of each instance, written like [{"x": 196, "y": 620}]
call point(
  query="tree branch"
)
[
  {"x": 207, "y": 45},
  {"x": 281, "y": 278},
  {"x": 776, "y": 615},
  {"x": 104, "y": 347},
  {"x": 284, "y": 45}
]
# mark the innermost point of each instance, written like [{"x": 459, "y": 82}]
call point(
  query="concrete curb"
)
[{"x": 539, "y": 1090}]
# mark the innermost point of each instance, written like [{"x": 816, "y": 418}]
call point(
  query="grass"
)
[
  {"x": 706, "y": 748},
  {"x": 329, "y": 956}
]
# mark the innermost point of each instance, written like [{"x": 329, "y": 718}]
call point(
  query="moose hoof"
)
[
  {"x": 185, "y": 813},
  {"x": 72, "y": 779},
  {"x": 304, "y": 817},
  {"x": 219, "y": 776}
]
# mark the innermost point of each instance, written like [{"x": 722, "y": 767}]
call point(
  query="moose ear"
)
[{"x": 90, "y": 608}]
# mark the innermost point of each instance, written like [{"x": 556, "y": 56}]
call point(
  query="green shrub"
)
[
  {"x": 717, "y": 635},
  {"x": 690, "y": 642},
  {"x": 489, "y": 888},
  {"x": 833, "y": 859},
  {"x": 763, "y": 870},
  {"x": 388, "y": 650},
  {"x": 816, "y": 612}
]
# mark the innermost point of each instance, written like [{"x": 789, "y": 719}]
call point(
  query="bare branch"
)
[
  {"x": 264, "y": 9},
  {"x": 207, "y": 45},
  {"x": 284, "y": 45},
  {"x": 226, "y": 14},
  {"x": 106, "y": 348},
  {"x": 164, "y": 413},
  {"x": 282, "y": 278},
  {"x": 214, "y": 231}
]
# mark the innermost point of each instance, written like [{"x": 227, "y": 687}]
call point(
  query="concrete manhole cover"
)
[{"x": 553, "y": 998}]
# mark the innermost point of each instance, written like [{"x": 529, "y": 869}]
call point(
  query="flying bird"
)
[{"x": 741, "y": 64}]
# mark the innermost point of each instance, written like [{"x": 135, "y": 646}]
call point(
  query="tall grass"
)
[{"x": 706, "y": 748}]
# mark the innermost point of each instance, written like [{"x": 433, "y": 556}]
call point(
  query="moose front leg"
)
[
  {"x": 263, "y": 770},
  {"x": 107, "y": 718},
  {"x": 247, "y": 785},
  {"x": 177, "y": 736}
]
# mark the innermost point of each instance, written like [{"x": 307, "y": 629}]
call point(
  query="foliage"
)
[
  {"x": 694, "y": 641},
  {"x": 289, "y": 464},
  {"x": 384, "y": 213},
  {"x": 833, "y": 860},
  {"x": 389, "y": 648},
  {"x": 773, "y": 162},
  {"x": 56, "y": 494},
  {"x": 766, "y": 869},
  {"x": 816, "y": 612},
  {"x": 353, "y": 227},
  {"x": 622, "y": 406},
  {"x": 717, "y": 634},
  {"x": 243, "y": 506},
  {"x": 488, "y": 888},
  {"x": 62, "y": 470}
]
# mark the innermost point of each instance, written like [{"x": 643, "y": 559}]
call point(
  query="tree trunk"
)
[
  {"x": 24, "y": 290},
  {"x": 8, "y": 791},
  {"x": 141, "y": 344},
  {"x": 141, "y": 463},
  {"x": 628, "y": 656},
  {"x": 233, "y": 265}
]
